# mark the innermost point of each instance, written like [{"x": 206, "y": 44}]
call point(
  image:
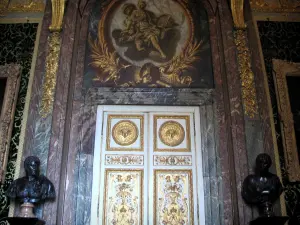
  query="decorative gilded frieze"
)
[
  {"x": 172, "y": 160},
  {"x": 173, "y": 197},
  {"x": 123, "y": 199},
  {"x": 52, "y": 60},
  {"x": 125, "y": 133},
  {"x": 171, "y": 133},
  {"x": 124, "y": 160},
  {"x": 19, "y": 6},
  {"x": 281, "y": 6},
  {"x": 280, "y": 70},
  {"x": 246, "y": 73}
]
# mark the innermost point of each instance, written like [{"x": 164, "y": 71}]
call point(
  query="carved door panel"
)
[{"x": 145, "y": 167}]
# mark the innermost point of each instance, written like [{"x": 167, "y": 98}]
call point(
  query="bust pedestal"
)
[
  {"x": 24, "y": 221},
  {"x": 274, "y": 220}
]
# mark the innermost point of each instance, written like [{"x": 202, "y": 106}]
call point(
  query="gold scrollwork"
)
[
  {"x": 246, "y": 73},
  {"x": 281, "y": 69},
  {"x": 50, "y": 77}
]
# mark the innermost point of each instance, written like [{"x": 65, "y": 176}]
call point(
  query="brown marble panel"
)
[
  {"x": 60, "y": 108},
  {"x": 239, "y": 162},
  {"x": 34, "y": 120}
]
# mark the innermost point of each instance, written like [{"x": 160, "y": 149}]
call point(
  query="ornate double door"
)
[{"x": 147, "y": 166}]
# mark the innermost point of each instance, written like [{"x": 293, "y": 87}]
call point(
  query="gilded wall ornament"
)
[
  {"x": 125, "y": 132},
  {"x": 171, "y": 133},
  {"x": 281, "y": 69},
  {"x": 246, "y": 73}
]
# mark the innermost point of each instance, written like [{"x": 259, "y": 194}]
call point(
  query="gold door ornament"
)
[
  {"x": 171, "y": 133},
  {"x": 125, "y": 132}
]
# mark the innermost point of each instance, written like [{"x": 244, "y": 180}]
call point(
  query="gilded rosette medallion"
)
[
  {"x": 125, "y": 132},
  {"x": 171, "y": 133}
]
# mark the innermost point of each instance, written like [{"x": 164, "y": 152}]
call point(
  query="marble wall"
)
[{"x": 64, "y": 140}]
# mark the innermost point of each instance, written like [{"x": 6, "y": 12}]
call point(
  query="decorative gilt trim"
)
[
  {"x": 237, "y": 10},
  {"x": 3, "y": 7},
  {"x": 58, "y": 7},
  {"x": 246, "y": 73},
  {"x": 281, "y": 6},
  {"x": 11, "y": 72},
  {"x": 50, "y": 77},
  {"x": 16, "y": 7},
  {"x": 281, "y": 69}
]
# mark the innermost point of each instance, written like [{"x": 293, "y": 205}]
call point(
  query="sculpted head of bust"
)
[{"x": 32, "y": 166}]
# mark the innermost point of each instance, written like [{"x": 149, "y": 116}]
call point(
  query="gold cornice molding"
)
[
  {"x": 280, "y": 6},
  {"x": 281, "y": 69},
  {"x": 237, "y": 10}
]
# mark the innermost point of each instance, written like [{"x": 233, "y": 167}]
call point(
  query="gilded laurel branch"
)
[
  {"x": 172, "y": 71},
  {"x": 107, "y": 61}
]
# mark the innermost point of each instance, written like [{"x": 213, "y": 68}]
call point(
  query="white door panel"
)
[{"x": 147, "y": 166}]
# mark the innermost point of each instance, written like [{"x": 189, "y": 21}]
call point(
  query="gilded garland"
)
[
  {"x": 51, "y": 69},
  {"x": 145, "y": 45},
  {"x": 246, "y": 74}
]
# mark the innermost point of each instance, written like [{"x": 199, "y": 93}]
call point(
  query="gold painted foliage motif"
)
[
  {"x": 107, "y": 61},
  {"x": 282, "y": 6},
  {"x": 172, "y": 71}
]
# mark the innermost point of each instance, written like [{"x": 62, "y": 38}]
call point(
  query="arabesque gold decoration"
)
[
  {"x": 246, "y": 73},
  {"x": 125, "y": 132},
  {"x": 50, "y": 76},
  {"x": 281, "y": 70},
  {"x": 171, "y": 133}
]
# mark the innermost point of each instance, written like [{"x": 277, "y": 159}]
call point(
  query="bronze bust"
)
[
  {"x": 33, "y": 188},
  {"x": 263, "y": 188}
]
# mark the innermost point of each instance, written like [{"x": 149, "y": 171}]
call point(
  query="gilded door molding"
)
[{"x": 281, "y": 69}]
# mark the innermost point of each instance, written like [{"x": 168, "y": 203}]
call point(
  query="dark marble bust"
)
[
  {"x": 32, "y": 188},
  {"x": 262, "y": 188}
]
